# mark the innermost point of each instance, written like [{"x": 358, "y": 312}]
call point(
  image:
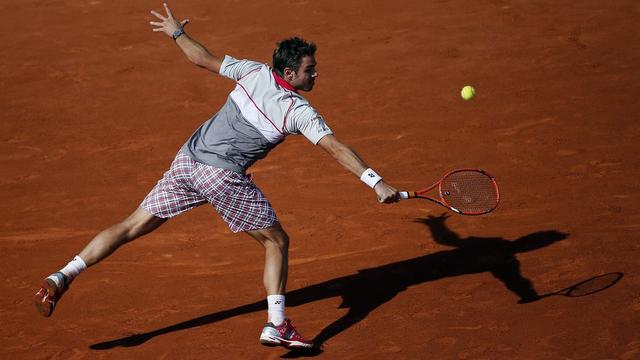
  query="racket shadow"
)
[
  {"x": 370, "y": 288},
  {"x": 590, "y": 286}
]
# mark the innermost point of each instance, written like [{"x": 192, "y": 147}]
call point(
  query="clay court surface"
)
[{"x": 95, "y": 106}]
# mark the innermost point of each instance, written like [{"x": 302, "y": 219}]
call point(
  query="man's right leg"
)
[{"x": 139, "y": 223}]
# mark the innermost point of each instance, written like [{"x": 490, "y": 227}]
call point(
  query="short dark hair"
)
[{"x": 289, "y": 54}]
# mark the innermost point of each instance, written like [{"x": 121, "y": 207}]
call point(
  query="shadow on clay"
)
[{"x": 370, "y": 288}]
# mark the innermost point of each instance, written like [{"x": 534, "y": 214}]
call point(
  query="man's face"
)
[{"x": 305, "y": 77}]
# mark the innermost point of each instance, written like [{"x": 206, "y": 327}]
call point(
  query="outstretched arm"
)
[
  {"x": 348, "y": 158},
  {"x": 195, "y": 52}
]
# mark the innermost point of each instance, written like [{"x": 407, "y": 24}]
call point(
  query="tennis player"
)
[{"x": 265, "y": 107}]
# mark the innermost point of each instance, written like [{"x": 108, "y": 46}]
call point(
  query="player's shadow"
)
[{"x": 370, "y": 288}]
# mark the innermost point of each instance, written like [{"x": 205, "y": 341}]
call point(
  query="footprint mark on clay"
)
[
  {"x": 575, "y": 38},
  {"x": 524, "y": 125}
]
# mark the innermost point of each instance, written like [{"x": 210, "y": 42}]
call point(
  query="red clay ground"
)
[{"x": 95, "y": 105}]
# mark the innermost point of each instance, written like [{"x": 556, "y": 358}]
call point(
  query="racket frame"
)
[{"x": 422, "y": 194}]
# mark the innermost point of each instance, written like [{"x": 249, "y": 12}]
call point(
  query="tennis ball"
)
[{"x": 468, "y": 92}]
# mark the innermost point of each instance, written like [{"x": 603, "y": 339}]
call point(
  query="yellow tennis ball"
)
[{"x": 468, "y": 92}]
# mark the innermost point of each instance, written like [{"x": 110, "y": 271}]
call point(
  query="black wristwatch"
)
[{"x": 177, "y": 33}]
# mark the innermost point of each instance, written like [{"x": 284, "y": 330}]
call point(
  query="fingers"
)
[
  {"x": 389, "y": 199},
  {"x": 166, "y": 8},
  {"x": 154, "y": 13},
  {"x": 167, "y": 24},
  {"x": 386, "y": 194}
]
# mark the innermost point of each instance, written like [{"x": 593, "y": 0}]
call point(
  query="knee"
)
[
  {"x": 129, "y": 229},
  {"x": 279, "y": 239},
  {"x": 125, "y": 230},
  {"x": 137, "y": 225}
]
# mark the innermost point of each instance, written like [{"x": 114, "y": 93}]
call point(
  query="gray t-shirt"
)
[{"x": 257, "y": 116}]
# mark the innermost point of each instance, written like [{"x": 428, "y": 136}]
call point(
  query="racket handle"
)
[{"x": 406, "y": 195}]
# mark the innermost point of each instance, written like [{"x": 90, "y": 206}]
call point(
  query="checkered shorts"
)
[{"x": 189, "y": 184}]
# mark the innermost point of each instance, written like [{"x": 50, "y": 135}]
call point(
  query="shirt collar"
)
[{"x": 280, "y": 81}]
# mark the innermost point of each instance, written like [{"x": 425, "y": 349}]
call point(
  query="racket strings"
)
[{"x": 470, "y": 192}]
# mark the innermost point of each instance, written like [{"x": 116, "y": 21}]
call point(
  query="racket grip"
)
[{"x": 406, "y": 195}]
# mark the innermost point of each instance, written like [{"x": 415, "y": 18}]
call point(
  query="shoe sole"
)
[
  {"x": 274, "y": 341},
  {"x": 43, "y": 298}
]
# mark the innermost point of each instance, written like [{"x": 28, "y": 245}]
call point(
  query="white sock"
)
[
  {"x": 73, "y": 268},
  {"x": 276, "y": 309}
]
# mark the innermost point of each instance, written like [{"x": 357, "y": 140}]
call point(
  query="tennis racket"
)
[{"x": 464, "y": 191}]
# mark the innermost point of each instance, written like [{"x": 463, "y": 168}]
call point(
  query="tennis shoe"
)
[
  {"x": 53, "y": 287},
  {"x": 285, "y": 335}
]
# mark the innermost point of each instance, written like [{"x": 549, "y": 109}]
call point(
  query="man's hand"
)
[
  {"x": 386, "y": 193},
  {"x": 195, "y": 52},
  {"x": 168, "y": 25}
]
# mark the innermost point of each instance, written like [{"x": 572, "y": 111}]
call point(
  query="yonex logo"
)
[
  {"x": 278, "y": 302},
  {"x": 371, "y": 175}
]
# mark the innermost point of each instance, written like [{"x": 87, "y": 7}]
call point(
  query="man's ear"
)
[{"x": 289, "y": 74}]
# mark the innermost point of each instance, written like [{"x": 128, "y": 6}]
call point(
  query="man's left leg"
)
[
  {"x": 278, "y": 330},
  {"x": 276, "y": 243},
  {"x": 243, "y": 206}
]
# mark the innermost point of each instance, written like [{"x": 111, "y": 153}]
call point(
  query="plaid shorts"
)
[{"x": 188, "y": 184}]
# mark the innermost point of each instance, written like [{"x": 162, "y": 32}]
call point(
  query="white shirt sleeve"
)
[
  {"x": 237, "y": 69},
  {"x": 309, "y": 123}
]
